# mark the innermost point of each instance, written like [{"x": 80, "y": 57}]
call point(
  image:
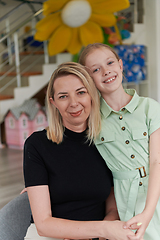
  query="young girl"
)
[{"x": 129, "y": 142}]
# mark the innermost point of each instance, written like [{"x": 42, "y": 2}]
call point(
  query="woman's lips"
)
[{"x": 76, "y": 114}]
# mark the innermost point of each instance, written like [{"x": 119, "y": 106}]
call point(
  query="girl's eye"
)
[
  {"x": 96, "y": 70},
  {"x": 110, "y": 62}
]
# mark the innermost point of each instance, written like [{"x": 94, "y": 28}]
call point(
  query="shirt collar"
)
[{"x": 106, "y": 109}]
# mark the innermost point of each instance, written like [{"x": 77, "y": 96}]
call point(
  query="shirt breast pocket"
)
[
  {"x": 106, "y": 136},
  {"x": 107, "y": 140},
  {"x": 141, "y": 138}
]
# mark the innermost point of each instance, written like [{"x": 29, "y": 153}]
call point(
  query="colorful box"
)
[{"x": 134, "y": 62}]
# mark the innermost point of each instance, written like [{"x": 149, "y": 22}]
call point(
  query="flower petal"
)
[
  {"x": 90, "y": 33},
  {"x": 51, "y": 6},
  {"x": 48, "y": 21},
  {"x": 47, "y": 26},
  {"x": 104, "y": 20},
  {"x": 59, "y": 40},
  {"x": 75, "y": 45},
  {"x": 110, "y": 6}
]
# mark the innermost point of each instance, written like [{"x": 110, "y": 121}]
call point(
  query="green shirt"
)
[{"x": 123, "y": 143}]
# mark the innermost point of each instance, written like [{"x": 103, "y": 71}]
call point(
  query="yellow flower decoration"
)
[{"x": 71, "y": 24}]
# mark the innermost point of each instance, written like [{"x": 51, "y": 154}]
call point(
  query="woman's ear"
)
[
  {"x": 52, "y": 101},
  {"x": 121, "y": 64}
]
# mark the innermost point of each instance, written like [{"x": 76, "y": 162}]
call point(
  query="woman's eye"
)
[
  {"x": 110, "y": 62},
  {"x": 81, "y": 92},
  {"x": 62, "y": 97}
]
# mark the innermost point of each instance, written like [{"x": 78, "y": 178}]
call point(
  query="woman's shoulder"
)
[{"x": 37, "y": 136}]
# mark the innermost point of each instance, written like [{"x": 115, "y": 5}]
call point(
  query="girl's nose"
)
[{"x": 106, "y": 71}]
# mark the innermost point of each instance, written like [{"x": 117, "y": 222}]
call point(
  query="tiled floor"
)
[{"x": 11, "y": 174}]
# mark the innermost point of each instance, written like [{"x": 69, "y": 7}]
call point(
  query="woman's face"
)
[
  {"x": 73, "y": 102},
  {"x": 105, "y": 69}
]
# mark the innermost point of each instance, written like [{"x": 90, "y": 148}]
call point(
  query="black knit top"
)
[{"x": 78, "y": 178}]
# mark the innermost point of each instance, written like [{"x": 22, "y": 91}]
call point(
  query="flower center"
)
[{"x": 76, "y": 13}]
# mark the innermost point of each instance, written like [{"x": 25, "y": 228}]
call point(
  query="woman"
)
[
  {"x": 68, "y": 183},
  {"x": 129, "y": 141}
]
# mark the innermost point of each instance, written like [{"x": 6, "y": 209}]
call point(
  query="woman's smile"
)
[{"x": 76, "y": 114}]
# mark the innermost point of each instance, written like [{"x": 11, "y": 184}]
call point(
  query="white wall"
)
[
  {"x": 152, "y": 14},
  {"x": 149, "y": 35}
]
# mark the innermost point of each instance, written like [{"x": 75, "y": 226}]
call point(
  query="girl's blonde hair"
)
[
  {"x": 87, "y": 50},
  {"x": 55, "y": 128}
]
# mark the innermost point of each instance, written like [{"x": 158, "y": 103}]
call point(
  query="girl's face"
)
[
  {"x": 72, "y": 100},
  {"x": 105, "y": 69}
]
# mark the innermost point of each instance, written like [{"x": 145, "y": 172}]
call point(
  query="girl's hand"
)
[
  {"x": 24, "y": 190},
  {"x": 116, "y": 231},
  {"x": 139, "y": 223}
]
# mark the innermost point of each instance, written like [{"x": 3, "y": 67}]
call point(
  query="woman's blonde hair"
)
[
  {"x": 90, "y": 47},
  {"x": 55, "y": 128}
]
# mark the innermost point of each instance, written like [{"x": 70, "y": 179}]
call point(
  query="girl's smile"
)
[{"x": 108, "y": 80}]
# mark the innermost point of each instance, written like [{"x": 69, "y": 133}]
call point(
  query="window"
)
[
  {"x": 11, "y": 122},
  {"x": 24, "y": 122}
]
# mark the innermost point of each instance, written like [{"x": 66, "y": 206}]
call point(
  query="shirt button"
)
[
  {"x": 140, "y": 183},
  {"x": 127, "y": 141},
  {"x": 132, "y": 156},
  {"x": 144, "y": 133},
  {"x": 120, "y": 117},
  {"x": 123, "y": 128},
  {"x": 102, "y": 139}
]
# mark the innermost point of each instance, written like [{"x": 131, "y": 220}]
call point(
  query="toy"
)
[
  {"x": 71, "y": 24},
  {"x": 21, "y": 121},
  {"x": 115, "y": 34}
]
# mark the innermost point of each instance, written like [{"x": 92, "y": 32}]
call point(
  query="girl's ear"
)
[
  {"x": 121, "y": 64},
  {"x": 52, "y": 101}
]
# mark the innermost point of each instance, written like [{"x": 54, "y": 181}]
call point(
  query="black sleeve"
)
[{"x": 35, "y": 172}]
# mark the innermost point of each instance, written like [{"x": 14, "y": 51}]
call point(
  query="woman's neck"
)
[
  {"x": 117, "y": 99},
  {"x": 76, "y": 128}
]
